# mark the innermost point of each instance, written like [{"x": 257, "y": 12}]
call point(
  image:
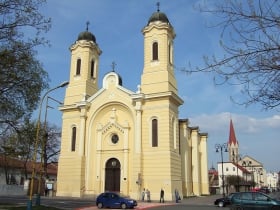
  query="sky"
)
[{"x": 117, "y": 27}]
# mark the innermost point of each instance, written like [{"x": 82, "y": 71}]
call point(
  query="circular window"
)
[{"x": 115, "y": 139}]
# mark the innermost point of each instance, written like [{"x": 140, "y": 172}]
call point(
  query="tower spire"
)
[
  {"x": 232, "y": 137},
  {"x": 233, "y": 146}
]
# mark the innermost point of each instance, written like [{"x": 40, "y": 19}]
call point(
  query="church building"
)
[{"x": 115, "y": 139}]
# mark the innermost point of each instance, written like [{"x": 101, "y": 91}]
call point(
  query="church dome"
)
[
  {"x": 158, "y": 16},
  {"x": 86, "y": 35}
]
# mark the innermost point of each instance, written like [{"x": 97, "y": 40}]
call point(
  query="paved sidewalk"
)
[
  {"x": 141, "y": 205},
  {"x": 199, "y": 200}
]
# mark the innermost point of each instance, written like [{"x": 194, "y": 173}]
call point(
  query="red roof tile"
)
[{"x": 232, "y": 138}]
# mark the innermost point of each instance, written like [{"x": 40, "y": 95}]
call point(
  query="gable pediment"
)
[{"x": 109, "y": 126}]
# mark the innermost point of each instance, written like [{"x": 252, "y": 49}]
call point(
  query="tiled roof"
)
[
  {"x": 19, "y": 164},
  {"x": 241, "y": 168},
  {"x": 232, "y": 138}
]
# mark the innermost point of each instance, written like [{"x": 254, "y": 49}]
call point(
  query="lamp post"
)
[
  {"x": 29, "y": 203},
  {"x": 246, "y": 164},
  {"x": 43, "y": 167},
  {"x": 222, "y": 148},
  {"x": 44, "y": 143}
]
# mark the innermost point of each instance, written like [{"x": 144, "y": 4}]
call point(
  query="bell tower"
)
[
  {"x": 83, "y": 80},
  {"x": 160, "y": 133},
  {"x": 158, "y": 72},
  {"x": 233, "y": 147}
]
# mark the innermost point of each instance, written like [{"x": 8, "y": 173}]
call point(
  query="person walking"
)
[
  {"x": 148, "y": 195},
  {"x": 177, "y": 197},
  {"x": 143, "y": 194},
  {"x": 161, "y": 196}
]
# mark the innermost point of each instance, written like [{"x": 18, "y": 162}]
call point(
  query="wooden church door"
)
[{"x": 112, "y": 175}]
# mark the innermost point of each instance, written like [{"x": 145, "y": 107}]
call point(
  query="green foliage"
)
[
  {"x": 20, "y": 144},
  {"x": 22, "y": 78}
]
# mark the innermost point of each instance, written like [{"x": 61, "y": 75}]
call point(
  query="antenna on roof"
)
[{"x": 158, "y": 4}]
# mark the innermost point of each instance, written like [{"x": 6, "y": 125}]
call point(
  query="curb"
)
[{"x": 139, "y": 207}]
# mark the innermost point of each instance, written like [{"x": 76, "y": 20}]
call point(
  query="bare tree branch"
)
[{"x": 251, "y": 43}]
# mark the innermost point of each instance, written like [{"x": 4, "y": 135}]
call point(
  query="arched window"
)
[
  {"x": 170, "y": 53},
  {"x": 154, "y": 133},
  {"x": 155, "y": 51},
  {"x": 92, "y": 69},
  {"x": 78, "y": 67},
  {"x": 174, "y": 125},
  {"x": 73, "y": 140}
]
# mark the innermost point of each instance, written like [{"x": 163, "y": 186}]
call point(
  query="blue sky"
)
[{"x": 117, "y": 27}]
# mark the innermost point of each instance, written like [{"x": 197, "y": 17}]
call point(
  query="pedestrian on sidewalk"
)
[
  {"x": 177, "y": 196},
  {"x": 143, "y": 194},
  {"x": 161, "y": 196},
  {"x": 148, "y": 195}
]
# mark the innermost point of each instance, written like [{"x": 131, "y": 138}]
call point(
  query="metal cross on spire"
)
[
  {"x": 158, "y": 4},
  {"x": 113, "y": 65},
  {"x": 87, "y": 24}
]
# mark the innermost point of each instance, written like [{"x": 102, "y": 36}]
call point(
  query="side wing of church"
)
[{"x": 114, "y": 139}]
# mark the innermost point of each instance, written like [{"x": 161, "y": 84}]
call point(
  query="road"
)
[
  {"x": 194, "y": 203},
  {"x": 204, "y": 202}
]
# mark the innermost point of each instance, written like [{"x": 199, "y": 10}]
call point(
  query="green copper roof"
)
[
  {"x": 86, "y": 35},
  {"x": 158, "y": 16}
]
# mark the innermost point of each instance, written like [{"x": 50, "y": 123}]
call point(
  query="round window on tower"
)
[{"x": 115, "y": 139}]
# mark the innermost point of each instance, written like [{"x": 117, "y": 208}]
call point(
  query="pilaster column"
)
[{"x": 83, "y": 117}]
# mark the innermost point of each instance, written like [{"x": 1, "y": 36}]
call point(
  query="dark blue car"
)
[{"x": 113, "y": 200}]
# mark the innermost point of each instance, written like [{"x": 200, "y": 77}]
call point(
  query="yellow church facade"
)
[{"x": 115, "y": 139}]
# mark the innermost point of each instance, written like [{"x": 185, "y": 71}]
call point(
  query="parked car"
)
[
  {"x": 224, "y": 201},
  {"x": 114, "y": 200},
  {"x": 264, "y": 190},
  {"x": 253, "y": 200}
]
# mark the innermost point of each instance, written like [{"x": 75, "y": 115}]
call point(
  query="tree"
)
[
  {"x": 251, "y": 43},
  {"x": 22, "y": 77},
  {"x": 20, "y": 143},
  {"x": 50, "y": 145}
]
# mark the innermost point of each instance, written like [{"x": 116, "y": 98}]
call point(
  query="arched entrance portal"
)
[{"x": 112, "y": 175}]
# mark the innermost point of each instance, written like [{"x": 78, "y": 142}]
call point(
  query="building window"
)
[
  {"x": 233, "y": 168},
  {"x": 92, "y": 69},
  {"x": 155, "y": 51},
  {"x": 174, "y": 133},
  {"x": 78, "y": 67},
  {"x": 115, "y": 139},
  {"x": 226, "y": 168},
  {"x": 154, "y": 133},
  {"x": 73, "y": 140},
  {"x": 169, "y": 53}
]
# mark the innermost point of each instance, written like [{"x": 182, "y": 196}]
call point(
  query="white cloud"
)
[{"x": 242, "y": 123}]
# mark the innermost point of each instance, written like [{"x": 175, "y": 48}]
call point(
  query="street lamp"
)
[
  {"x": 246, "y": 164},
  {"x": 29, "y": 203},
  {"x": 44, "y": 142},
  {"x": 222, "y": 148},
  {"x": 43, "y": 167}
]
